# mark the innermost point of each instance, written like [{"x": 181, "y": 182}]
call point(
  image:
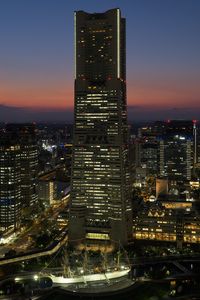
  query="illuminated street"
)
[{"x": 24, "y": 242}]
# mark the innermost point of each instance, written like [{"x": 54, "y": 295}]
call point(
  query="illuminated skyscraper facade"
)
[
  {"x": 178, "y": 150},
  {"x": 10, "y": 184},
  {"x": 25, "y": 136},
  {"x": 18, "y": 173},
  {"x": 100, "y": 192}
]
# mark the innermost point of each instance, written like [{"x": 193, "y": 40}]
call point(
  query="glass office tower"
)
[
  {"x": 10, "y": 184},
  {"x": 25, "y": 135},
  {"x": 100, "y": 191},
  {"x": 178, "y": 150}
]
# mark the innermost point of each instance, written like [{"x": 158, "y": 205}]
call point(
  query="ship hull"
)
[{"x": 90, "y": 278}]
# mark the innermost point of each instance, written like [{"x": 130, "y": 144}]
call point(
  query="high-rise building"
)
[
  {"x": 149, "y": 153},
  {"x": 25, "y": 136},
  {"x": 100, "y": 190},
  {"x": 18, "y": 172},
  {"x": 46, "y": 191},
  {"x": 178, "y": 150},
  {"x": 148, "y": 147},
  {"x": 10, "y": 183}
]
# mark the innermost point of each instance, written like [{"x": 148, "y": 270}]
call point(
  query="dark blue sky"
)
[{"x": 163, "y": 55}]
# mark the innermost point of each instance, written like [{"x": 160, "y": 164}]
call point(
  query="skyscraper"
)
[
  {"x": 100, "y": 191},
  {"x": 10, "y": 183},
  {"x": 25, "y": 136},
  {"x": 18, "y": 172},
  {"x": 178, "y": 150}
]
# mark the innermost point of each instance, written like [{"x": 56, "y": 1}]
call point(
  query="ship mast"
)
[{"x": 66, "y": 267}]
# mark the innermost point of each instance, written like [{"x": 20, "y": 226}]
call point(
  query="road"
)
[{"x": 24, "y": 241}]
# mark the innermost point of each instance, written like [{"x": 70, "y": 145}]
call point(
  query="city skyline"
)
[
  {"x": 100, "y": 187},
  {"x": 162, "y": 59}
]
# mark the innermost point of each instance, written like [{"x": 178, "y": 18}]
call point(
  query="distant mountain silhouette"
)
[
  {"x": 135, "y": 113},
  {"x": 18, "y": 114}
]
